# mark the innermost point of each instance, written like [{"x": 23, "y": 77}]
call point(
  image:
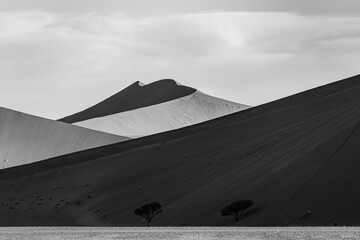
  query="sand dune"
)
[
  {"x": 291, "y": 156},
  {"x": 142, "y": 110},
  {"x": 137, "y": 95},
  {"x": 25, "y": 138},
  {"x": 189, "y": 110}
]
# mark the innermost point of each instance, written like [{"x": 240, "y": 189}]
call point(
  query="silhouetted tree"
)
[
  {"x": 236, "y": 208},
  {"x": 149, "y": 211},
  {"x": 306, "y": 215}
]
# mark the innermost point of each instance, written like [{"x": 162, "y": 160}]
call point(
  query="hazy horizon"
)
[{"x": 59, "y": 57}]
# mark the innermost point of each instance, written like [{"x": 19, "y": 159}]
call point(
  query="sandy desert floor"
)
[{"x": 180, "y": 233}]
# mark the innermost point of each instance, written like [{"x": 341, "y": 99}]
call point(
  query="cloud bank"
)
[{"x": 53, "y": 64}]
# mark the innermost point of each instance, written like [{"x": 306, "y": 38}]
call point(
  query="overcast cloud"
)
[{"x": 54, "y": 64}]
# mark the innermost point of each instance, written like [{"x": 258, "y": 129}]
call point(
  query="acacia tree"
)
[
  {"x": 236, "y": 208},
  {"x": 149, "y": 211}
]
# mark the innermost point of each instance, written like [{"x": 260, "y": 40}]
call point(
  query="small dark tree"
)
[
  {"x": 236, "y": 208},
  {"x": 149, "y": 211}
]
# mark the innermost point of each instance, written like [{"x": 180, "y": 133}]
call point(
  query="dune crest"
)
[
  {"x": 189, "y": 110},
  {"x": 25, "y": 138},
  {"x": 153, "y": 108},
  {"x": 137, "y": 95}
]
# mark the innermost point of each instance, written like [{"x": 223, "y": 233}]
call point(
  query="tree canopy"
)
[
  {"x": 237, "y": 208},
  {"x": 149, "y": 211}
]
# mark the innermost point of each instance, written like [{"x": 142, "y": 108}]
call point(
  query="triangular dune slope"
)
[
  {"x": 137, "y": 95},
  {"x": 189, "y": 110},
  {"x": 161, "y": 106},
  {"x": 25, "y": 138}
]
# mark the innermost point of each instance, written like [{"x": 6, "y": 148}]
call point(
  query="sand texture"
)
[
  {"x": 291, "y": 156},
  {"x": 137, "y": 95},
  {"x": 25, "y": 138},
  {"x": 189, "y": 110}
]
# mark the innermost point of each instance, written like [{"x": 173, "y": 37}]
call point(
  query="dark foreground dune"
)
[{"x": 291, "y": 156}]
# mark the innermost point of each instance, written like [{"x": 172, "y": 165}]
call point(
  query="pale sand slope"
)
[
  {"x": 145, "y": 109},
  {"x": 291, "y": 156},
  {"x": 189, "y": 110},
  {"x": 137, "y": 95},
  {"x": 25, "y": 138}
]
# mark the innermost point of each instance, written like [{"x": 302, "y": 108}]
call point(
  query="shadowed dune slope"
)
[
  {"x": 291, "y": 156},
  {"x": 185, "y": 111},
  {"x": 25, "y": 138},
  {"x": 133, "y": 97}
]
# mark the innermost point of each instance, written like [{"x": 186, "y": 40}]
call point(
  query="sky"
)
[{"x": 58, "y": 57}]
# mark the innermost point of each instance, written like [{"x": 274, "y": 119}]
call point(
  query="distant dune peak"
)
[
  {"x": 137, "y": 95},
  {"x": 160, "y": 83},
  {"x": 146, "y": 109},
  {"x": 141, "y": 84},
  {"x": 179, "y": 84}
]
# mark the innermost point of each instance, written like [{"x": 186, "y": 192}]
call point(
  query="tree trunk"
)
[{"x": 237, "y": 216}]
